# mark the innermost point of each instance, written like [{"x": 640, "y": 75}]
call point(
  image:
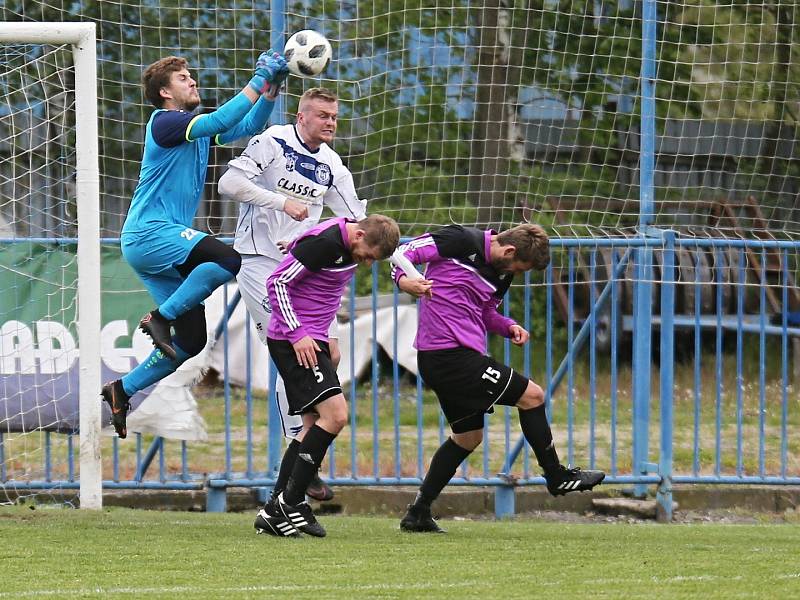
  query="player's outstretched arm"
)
[
  {"x": 405, "y": 274},
  {"x": 342, "y": 198},
  {"x": 270, "y": 67},
  {"x": 239, "y": 186}
]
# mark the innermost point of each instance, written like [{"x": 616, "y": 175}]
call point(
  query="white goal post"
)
[{"x": 82, "y": 37}]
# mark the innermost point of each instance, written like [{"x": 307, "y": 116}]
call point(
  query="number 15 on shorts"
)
[{"x": 493, "y": 375}]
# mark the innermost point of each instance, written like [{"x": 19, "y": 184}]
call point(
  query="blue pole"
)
[
  {"x": 762, "y": 357},
  {"x": 614, "y": 366},
  {"x": 643, "y": 309},
  {"x": 353, "y": 383},
  {"x": 648, "y": 123},
  {"x": 740, "y": 289},
  {"x": 396, "y": 384},
  {"x": 275, "y": 430},
  {"x": 642, "y": 349},
  {"x": 374, "y": 378},
  {"x": 248, "y": 394},
  {"x": 226, "y": 389},
  {"x": 664, "y": 493},
  {"x": 570, "y": 358},
  {"x": 784, "y": 360}
]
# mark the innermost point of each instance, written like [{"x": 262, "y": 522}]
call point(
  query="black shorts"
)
[
  {"x": 468, "y": 384},
  {"x": 305, "y": 388}
]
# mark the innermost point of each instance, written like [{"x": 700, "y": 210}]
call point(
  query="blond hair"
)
[{"x": 316, "y": 93}]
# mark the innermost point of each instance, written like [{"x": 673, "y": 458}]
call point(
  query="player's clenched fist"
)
[
  {"x": 295, "y": 209},
  {"x": 518, "y": 335},
  {"x": 270, "y": 69}
]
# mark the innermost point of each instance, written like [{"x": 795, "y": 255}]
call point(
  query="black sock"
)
[
  {"x": 443, "y": 466},
  {"x": 536, "y": 430},
  {"x": 287, "y": 464},
  {"x": 309, "y": 457}
]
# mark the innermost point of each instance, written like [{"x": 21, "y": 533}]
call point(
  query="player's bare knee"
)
[
  {"x": 532, "y": 397},
  {"x": 468, "y": 440},
  {"x": 333, "y": 415}
]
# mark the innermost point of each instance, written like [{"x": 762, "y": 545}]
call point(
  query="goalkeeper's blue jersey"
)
[{"x": 172, "y": 174}]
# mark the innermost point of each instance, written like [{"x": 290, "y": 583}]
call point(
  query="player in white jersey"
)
[{"x": 283, "y": 179}]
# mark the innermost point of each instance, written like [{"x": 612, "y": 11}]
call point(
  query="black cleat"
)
[
  {"x": 418, "y": 518},
  {"x": 118, "y": 402},
  {"x": 563, "y": 480},
  {"x": 319, "y": 490},
  {"x": 270, "y": 520},
  {"x": 301, "y": 517},
  {"x": 158, "y": 328}
]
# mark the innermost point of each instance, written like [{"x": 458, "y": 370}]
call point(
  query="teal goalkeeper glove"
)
[{"x": 270, "y": 69}]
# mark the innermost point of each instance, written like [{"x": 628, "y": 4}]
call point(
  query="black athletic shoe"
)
[
  {"x": 319, "y": 490},
  {"x": 301, "y": 517},
  {"x": 418, "y": 518},
  {"x": 270, "y": 520},
  {"x": 564, "y": 480},
  {"x": 158, "y": 328},
  {"x": 118, "y": 401}
]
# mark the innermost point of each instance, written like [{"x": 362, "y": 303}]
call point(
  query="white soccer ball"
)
[{"x": 308, "y": 53}]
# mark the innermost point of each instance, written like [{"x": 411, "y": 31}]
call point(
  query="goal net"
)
[
  {"x": 49, "y": 262},
  {"x": 481, "y": 113}
]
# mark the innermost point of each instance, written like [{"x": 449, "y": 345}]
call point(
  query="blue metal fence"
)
[{"x": 727, "y": 408}]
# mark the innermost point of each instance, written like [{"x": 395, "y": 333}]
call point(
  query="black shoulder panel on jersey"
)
[
  {"x": 169, "y": 127},
  {"x": 326, "y": 249},
  {"x": 467, "y": 246},
  {"x": 456, "y": 241}
]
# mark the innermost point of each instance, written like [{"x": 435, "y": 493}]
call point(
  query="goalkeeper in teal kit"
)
[{"x": 179, "y": 265}]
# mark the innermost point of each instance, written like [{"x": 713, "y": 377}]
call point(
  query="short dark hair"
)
[
  {"x": 530, "y": 243},
  {"x": 380, "y": 232},
  {"x": 157, "y": 75}
]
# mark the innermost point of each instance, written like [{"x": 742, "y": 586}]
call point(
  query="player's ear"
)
[{"x": 509, "y": 251}]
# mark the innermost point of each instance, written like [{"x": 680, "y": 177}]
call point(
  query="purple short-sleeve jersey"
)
[
  {"x": 467, "y": 289},
  {"x": 306, "y": 289}
]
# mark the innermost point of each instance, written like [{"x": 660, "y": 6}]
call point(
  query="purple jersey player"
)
[
  {"x": 304, "y": 294},
  {"x": 468, "y": 273}
]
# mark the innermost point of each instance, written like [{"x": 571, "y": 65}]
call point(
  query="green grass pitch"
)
[{"x": 118, "y": 553}]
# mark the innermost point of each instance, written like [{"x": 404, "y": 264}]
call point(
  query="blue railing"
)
[{"x": 731, "y": 386}]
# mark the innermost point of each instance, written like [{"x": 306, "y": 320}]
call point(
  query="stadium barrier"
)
[{"x": 732, "y": 424}]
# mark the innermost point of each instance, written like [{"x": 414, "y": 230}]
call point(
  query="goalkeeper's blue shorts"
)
[{"x": 155, "y": 253}]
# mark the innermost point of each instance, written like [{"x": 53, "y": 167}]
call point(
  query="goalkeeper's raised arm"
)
[
  {"x": 179, "y": 265},
  {"x": 246, "y": 113}
]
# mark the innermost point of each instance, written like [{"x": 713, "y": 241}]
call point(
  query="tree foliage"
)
[{"x": 435, "y": 99}]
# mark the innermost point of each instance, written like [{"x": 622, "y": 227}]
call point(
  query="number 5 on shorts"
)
[{"x": 318, "y": 374}]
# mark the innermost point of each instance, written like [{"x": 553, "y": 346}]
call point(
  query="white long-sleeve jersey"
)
[{"x": 278, "y": 162}]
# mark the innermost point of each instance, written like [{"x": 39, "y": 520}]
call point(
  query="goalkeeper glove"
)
[{"x": 270, "y": 69}]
